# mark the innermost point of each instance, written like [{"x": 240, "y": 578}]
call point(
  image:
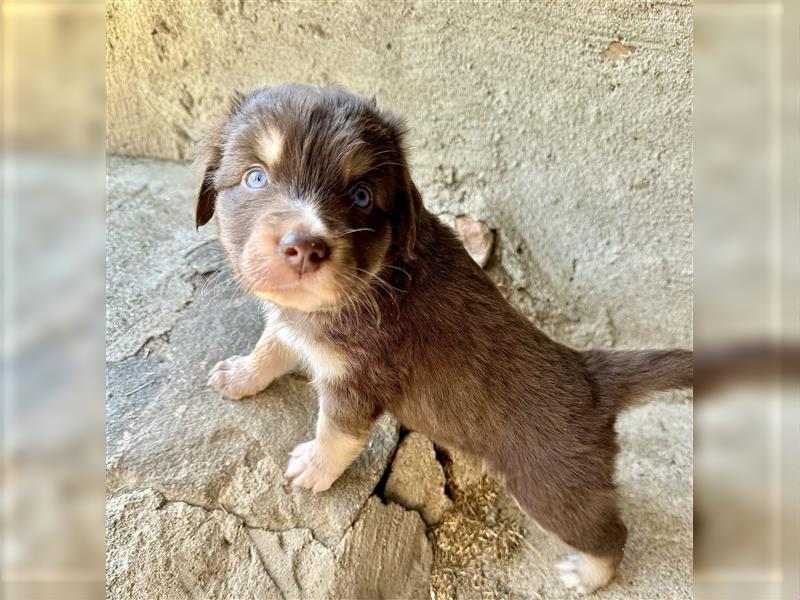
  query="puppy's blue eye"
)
[
  {"x": 257, "y": 178},
  {"x": 361, "y": 196}
]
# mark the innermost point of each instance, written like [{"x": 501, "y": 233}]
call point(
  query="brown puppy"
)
[{"x": 381, "y": 304}]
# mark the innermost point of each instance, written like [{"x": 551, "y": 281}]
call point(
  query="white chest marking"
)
[{"x": 322, "y": 360}]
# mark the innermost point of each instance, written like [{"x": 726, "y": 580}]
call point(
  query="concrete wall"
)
[{"x": 575, "y": 148}]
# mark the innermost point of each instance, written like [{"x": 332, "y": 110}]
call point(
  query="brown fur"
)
[{"x": 426, "y": 335}]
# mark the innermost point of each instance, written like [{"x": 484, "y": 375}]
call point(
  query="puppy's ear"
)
[
  {"x": 207, "y": 161},
  {"x": 408, "y": 205},
  {"x": 410, "y": 210}
]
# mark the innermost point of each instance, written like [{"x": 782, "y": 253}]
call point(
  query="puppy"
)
[{"x": 381, "y": 304}]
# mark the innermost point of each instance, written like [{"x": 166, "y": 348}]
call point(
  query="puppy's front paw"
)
[
  {"x": 237, "y": 377},
  {"x": 310, "y": 468},
  {"x": 584, "y": 573}
]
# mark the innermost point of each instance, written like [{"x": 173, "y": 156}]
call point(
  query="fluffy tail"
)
[{"x": 621, "y": 378}]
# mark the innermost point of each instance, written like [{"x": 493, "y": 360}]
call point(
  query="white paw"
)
[
  {"x": 309, "y": 468},
  {"x": 237, "y": 377},
  {"x": 584, "y": 573}
]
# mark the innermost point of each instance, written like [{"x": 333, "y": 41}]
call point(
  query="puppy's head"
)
[{"x": 312, "y": 193}]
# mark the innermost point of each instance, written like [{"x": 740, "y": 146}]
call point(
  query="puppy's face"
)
[{"x": 312, "y": 194}]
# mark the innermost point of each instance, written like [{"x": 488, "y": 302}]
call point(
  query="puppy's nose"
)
[{"x": 304, "y": 253}]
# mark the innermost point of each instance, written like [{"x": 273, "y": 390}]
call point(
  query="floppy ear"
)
[
  {"x": 408, "y": 204},
  {"x": 206, "y": 198},
  {"x": 207, "y": 161},
  {"x": 410, "y": 210}
]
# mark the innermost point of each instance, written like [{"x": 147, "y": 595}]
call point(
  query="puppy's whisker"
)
[
  {"x": 364, "y": 298},
  {"x": 240, "y": 288},
  {"x": 381, "y": 280},
  {"x": 284, "y": 286},
  {"x": 386, "y": 164},
  {"x": 349, "y": 231},
  {"x": 368, "y": 293},
  {"x": 407, "y": 274},
  {"x": 383, "y": 153},
  {"x": 218, "y": 284}
]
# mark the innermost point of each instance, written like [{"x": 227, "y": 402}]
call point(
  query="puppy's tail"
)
[{"x": 622, "y": 378}]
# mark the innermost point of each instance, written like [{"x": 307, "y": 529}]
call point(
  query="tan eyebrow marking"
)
[
  {"x": 356, "y": 161},
  {"x": 270, "y": 145}
]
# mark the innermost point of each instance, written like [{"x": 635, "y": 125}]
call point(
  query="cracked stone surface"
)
[
  {"x": 147, "y": 295},
  {"x": 189, "y": 552},
  {"x": 197, "y": 503},
  {"x": 299, "y": 565},
  {"x": 176, "y": 550},
  {"x": 366, "y": 554},
  {"x": 416, "y": 479}
]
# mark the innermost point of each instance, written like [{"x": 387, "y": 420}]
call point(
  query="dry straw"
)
[{"x": 475, "y": 534}]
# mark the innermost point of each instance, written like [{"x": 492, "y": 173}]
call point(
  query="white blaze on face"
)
[
  {"x": 309, "y": 219},
  {"x": 267, "y": 272}
]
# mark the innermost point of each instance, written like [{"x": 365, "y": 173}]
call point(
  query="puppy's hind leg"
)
[
  {"x": 589, "y": 521},
  {"x": 585, "y": 573}
]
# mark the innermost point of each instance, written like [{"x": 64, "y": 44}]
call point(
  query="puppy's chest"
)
[{"x": 323, "y": 359}]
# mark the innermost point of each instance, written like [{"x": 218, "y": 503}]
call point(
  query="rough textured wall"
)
[{"x": 575, "y": 148}]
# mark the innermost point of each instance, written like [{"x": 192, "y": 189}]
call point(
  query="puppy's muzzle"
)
[{"x": 303, "y": 253}]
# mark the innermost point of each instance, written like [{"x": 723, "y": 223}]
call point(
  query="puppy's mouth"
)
[
  {"x": 308, "y": 268},
  {"x": 299, "y": 271}
]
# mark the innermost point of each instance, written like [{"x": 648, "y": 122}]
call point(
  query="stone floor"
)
[{"x": 197, "y": 503}]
